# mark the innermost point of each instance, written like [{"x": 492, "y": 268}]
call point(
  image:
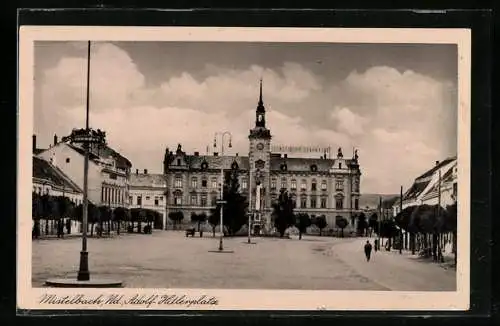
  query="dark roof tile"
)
[{"x": 44, "y": 170}]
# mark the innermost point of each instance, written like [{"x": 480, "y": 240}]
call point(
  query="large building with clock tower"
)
[{"x": 319, "y": 186}]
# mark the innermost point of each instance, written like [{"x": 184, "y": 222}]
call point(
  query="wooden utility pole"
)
[
  {"x": 400, "y": 229},
  {"x": 379, "y": 220}
]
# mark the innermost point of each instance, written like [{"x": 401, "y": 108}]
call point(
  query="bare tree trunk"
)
[{"x": 454, "y": 247}]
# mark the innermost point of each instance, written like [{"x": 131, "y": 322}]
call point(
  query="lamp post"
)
[
  {"x": 249, "y": 207},
  {"x": 221, "y": 201},
  {"x": 86, "y": 137}
]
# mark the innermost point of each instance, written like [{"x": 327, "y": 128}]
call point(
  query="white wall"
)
[{"x": 74, "y": 170}]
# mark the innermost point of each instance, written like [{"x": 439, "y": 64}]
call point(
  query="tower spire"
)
[{"x": 260, "y": 94}]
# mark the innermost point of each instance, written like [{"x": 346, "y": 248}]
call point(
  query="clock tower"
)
[{"x": 260, "y": 160}]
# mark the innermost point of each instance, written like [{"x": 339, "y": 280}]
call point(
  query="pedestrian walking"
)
[
  {"x": 375, "y": 245},
  {"x": 368, "y": 250}
]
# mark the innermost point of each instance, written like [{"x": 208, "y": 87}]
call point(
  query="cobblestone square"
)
[{"x": 167, "y": 259}]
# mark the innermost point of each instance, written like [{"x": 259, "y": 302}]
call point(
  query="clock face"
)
[{"x": 260, "y": 146}]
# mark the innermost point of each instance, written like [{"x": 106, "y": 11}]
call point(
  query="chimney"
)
[
  {"x": 216, "y": 154},
  {"x": 55, "y": 139},
  {"x": 145, "y": 171},
  {"x": 437, "y": 163},
  {"x": 136, "y": 171},
  {"x": 34, "y": 143},
  {"x": 196, "y": 153},
  {"x": 236, "y": 154}
]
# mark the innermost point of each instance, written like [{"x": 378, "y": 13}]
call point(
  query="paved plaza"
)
[{"x": 167, "y": 259}]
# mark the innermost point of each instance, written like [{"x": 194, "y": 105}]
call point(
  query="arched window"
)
[
  {"x": 313, "y": 185},
  {"x": 283, "y": 183},
  {"x": 303, "y": 184},
  {"x": 194, "y": 182},
  {"x": 294, "y": 184}
]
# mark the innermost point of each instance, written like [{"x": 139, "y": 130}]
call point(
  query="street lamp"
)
[
  {"x": 221, "y": 201},
  {"x": 86, "y": 137}
]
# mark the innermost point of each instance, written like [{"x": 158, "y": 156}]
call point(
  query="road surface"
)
[{"x": 167, "y": 259}]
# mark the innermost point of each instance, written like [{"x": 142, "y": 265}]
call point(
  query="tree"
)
[
  {"x": 404, "y": 220},
  {"x": 321, "y": 223},
  {"x": 451, "y": 225},
  {"x": 235, "y": 206},
  {"x": 121, "y": 214},
  {"x": 214, "y": 220},
  {"x": 36, "y": 213},
  {"x": 104, "y": 216},
  {"x": 362, "y": 223},
  {"x": 303, "y": 221},
  {"x": 341, "y": 222},
  {"x": 373, "y": 223},
  {"x": 428, "y": 219},
  {"x": 198, "y": 219},
  {"x": 176, "y": 217},
  {"x": 92, "y": 215},
  {"x": 283, "y": 212}
]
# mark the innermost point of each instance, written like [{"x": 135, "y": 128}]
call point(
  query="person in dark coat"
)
[
  {"x": 375, "y": 245},
  {"x": 368, "y": 250}
]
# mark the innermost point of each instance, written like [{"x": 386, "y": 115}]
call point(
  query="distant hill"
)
[{"x": 372, "y": 200}]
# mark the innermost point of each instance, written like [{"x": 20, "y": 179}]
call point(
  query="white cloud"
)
[
  {"x": 349, "y": 121},
  {"x": 395, "y": 119}
]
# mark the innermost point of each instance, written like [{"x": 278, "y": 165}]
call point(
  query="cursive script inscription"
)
[{"x": 145, "y": 300}]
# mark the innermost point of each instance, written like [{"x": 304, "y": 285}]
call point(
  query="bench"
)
[{"x": 190, "y": 232}]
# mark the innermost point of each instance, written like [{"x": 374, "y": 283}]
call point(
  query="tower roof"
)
[{"x": 260, "y": 105}]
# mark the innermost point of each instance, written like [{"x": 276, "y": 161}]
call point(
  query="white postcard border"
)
[{"x": 29, "y": 298}]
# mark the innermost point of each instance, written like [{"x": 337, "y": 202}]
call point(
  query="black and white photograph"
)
[{"x": 209, "y": 168}]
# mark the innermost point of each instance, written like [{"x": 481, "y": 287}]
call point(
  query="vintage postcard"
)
[{"x": 182, "y": 168}]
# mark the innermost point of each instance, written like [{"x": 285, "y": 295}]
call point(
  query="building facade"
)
[
  {"x": 437, "y": 185},
  {"x": 108, "y": 173},
  {"x": 319, "y": 186},
  {"x": 149, "y": 191},
  {"x": 50, "y": 180}
]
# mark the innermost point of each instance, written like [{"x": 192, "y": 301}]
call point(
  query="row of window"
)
[
  {"x": 214, "y": 184},
  {"x": 339, "y": 184},
  {"x": 313, "y": 203},
  {"x": 39, "y": 190},
  {"x": 157, "y": 200},
  {"x": 112, "y": 195}
]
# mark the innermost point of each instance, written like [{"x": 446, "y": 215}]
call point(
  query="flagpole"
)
[{"x": 83, "y": 272}]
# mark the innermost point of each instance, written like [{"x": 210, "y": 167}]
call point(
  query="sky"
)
[{"x": 395, "y": 103}]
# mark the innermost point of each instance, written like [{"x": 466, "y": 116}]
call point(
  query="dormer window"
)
[
  {"x": 204, "y": 165},
  {"x": 178, "y": 161},
  {"x": 234, "y": 166},
  {"x": 283, "y": 167},
  {"x": 340, "y": 165},
  {"x": 314, "y": 168}
]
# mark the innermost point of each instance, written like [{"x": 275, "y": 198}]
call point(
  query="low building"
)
[
  {"x": 443, "y": 192},
  {"x": 425, "y": 188},
  {"x": 50, "y": 180},
  {"x": 149, "y": 191},
  {"x": 108, "y": 173}
]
